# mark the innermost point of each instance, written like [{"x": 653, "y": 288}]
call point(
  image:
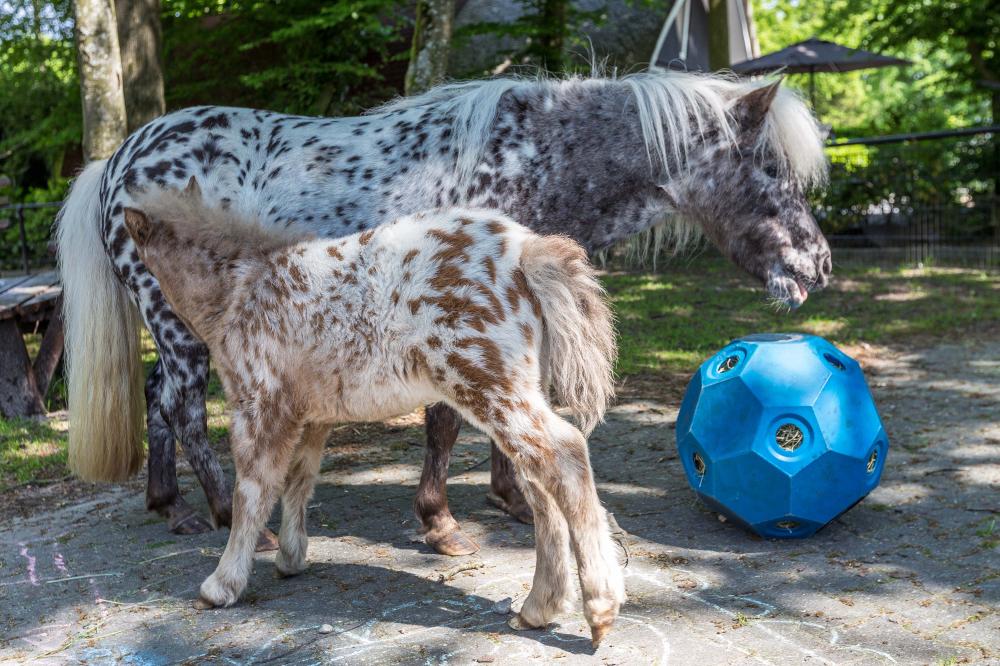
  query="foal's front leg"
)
[
  {"x": 262, "y": 449},
  {"x": 299, "y": 485}
]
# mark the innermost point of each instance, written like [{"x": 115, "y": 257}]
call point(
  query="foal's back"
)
[{"x": 378, "y": 322}]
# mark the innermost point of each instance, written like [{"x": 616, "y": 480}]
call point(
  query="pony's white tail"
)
[
  {"x": 106, "y": 401},
  {"x": 579, "y": 343}
]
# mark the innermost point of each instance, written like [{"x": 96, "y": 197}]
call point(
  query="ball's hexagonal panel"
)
[
  {"x": 780, "y": 432},
  {"x": 832, "y": 483},
  {"x": 751, "y": 487},
  {"x": 784, "y": 372},
  {"x": 728, "y": 414}
]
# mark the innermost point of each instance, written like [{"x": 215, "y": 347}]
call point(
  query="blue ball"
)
[{"x": 780, "y": 433}]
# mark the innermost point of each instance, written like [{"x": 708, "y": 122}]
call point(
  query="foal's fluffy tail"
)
[
  {"x": 579, "y": 342},
  {"x": 102, "y": 343}
]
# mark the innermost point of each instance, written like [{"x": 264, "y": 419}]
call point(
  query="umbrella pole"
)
[{"x": 812, "y": 88}]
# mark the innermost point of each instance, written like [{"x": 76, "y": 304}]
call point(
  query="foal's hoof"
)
[
  {"x": 515, "y": 505},
  {"x": 517, "y": 623},
  {"x": 598, "y": 633},
  {"x": 266, "y": 541},
  {"x": 453, "y": 543},
  {"x": 202, "y": 604}
]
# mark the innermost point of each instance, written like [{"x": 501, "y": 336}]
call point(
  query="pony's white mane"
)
[{"x": 675, "y": 110}]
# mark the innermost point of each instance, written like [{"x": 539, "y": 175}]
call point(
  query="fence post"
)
[{"x": 24, "y": 239}]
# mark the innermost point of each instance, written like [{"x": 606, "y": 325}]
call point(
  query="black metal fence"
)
[
  {"x": 25, "y": 236},
  {"x": 917, "y": 198}
]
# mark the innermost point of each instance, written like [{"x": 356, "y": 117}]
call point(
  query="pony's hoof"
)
[
  {"x": 598, "y": 633},
  {"x": 266, "y": 541},
  {"x": 517, "y": 623},
  {"x": 453, "y": 543},
  {"x": 515, "y": 506},
  {"x": 182, "y": 519}
]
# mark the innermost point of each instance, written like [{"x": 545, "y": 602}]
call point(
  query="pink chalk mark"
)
[
  {"x": 31, "y": 564},
  {"x": 60, "y": 563}
]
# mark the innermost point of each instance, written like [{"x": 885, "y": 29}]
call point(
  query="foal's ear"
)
[
  {"x": 193, "y": 189},
  {"x": 139, "y": 226},
  {"x": 751, "y": 109}
]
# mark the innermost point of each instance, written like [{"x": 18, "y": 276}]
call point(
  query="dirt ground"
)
[{"x": 909, "y": 576}]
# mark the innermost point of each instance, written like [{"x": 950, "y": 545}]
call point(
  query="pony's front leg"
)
[
  {"x": 262, "y": 449},
  {"x": 441, "y": 531},
  {"x": 299, "y": 486}
]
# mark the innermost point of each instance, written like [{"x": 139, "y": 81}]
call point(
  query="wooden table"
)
[{"x": 28, "y": 303}]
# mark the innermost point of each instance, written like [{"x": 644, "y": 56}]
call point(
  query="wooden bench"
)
[{"x": 28, "y": 303}]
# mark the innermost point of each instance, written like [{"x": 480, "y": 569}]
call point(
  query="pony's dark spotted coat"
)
[{"x": 599, "y": 160}]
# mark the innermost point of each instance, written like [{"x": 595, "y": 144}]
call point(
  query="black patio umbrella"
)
[{"x": 816, "y": 55}]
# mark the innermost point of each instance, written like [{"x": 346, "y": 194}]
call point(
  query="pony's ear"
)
[
  {"x": 193, "y": 189},
  {"x": 140, "y": 228},
  {"x": 751, "y": 109}
]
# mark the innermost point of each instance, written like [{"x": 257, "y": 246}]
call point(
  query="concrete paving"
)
[{"x": 910, "y": 576}]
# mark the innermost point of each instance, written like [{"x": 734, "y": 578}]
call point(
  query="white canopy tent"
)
[{"x": 684, "y": 40}]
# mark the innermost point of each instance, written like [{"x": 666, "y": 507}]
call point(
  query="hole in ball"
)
[
  {"x": 786, "y": 524},
  {"x": 872, "y": 460},
  {"x": 789, "y": 437},
  {"x": 699, "y": 464},
  {"x": 728, "y": 364},
  {"x": 834, "y": 361}
]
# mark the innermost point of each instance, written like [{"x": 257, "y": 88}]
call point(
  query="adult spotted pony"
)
[{"x": 597, "y": 159}]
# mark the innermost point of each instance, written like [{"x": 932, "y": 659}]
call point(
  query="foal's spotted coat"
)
[{"x": 465, "y": 307}]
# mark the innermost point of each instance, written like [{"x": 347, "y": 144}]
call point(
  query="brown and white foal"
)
[{"x": 465, "y": 307}]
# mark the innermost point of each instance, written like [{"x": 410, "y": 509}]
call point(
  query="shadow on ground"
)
[{"x": 911, "y": 575}]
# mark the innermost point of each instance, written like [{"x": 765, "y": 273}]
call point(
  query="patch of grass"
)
[
  {"x": 30, "y": 451},
  {"x": 674, "y": 319}
]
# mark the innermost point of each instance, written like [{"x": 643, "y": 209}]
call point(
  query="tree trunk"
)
[
  {"x": 140, "y": 36},
  {"x": 718, "y": 34},
  {"x": 431, "y": 43},
  {"x": 555, "y": 15},
  {"x": 104, "y": 126}
]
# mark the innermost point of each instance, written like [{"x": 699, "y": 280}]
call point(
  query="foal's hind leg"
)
[
  {"x": 441, "y": 531},
  {"x": 553, "y": 454},
  {"x": 569, "y": 479},
  {"x": 299, "y": 486},
  {"x": 505, "y": 492},
  {"x": 552, "y": 586}
]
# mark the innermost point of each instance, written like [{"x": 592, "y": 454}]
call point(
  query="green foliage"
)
[
  {"x": 30, "y": 451},
  {"x": 39, "y": 96},
  {"x": 539, "y": 37},
  {"x": 675, "y": 319},
  {"x": 924, "y": 96},
  {"x": 296, "y": 56}
]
